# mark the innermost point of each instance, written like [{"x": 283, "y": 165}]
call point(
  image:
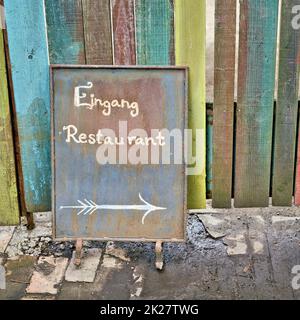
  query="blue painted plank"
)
[{"x": 30, "y": 75}]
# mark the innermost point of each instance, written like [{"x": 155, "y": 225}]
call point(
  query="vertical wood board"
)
[
  {"x": 25, "y": 22},
  {"x": 155, "y": 32},
  {"x": 209, "y": 149},
  {"x": 65, "y": 31},
  {"x": 256, "y": 80},
  {"x": 286, "y": 108},
  {"x": 224, "y": 71},
  {"x": 9, "y": 209},
  {"x": 97, "y": 31},
  {"x": 124, "y": 32},
  {"x": 190, "y": 50}
]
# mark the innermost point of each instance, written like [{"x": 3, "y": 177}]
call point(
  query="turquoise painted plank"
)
[
  {"x": 65, "y": 31},
  {"x": 256, "y": 80},
  {"x": 30, "y": 76},
  {"x": 155, "y": 32},
  {"x": 209, "y": 150}
]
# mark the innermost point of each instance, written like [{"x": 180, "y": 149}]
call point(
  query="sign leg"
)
[
  {"x": 78, "y": 252},
  {"x": 30, "y": 221},
  {"x": 159, "y": 263}
]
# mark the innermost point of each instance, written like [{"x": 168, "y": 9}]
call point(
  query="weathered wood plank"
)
[
  {"x": 190, "y": 50},
  {"x": 65, "y": 31},
  {"x": 30, "y": 76},
  {"x": 225, "y": 41},
  {"x": 97, "y": 31},
  {"x": 286, "y": 108},
  {"x": 123, "y": 32},
  {"x": 209, "y": 149},
  {"x": 155, "y": 32},
  {"x": 256, "y": 79},
  {"x": 297, "y": 177},
  {"x": 9, "y": 209}
]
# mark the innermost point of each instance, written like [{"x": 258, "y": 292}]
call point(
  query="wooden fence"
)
[
  {"x": 254, "y": 144},
  {"x": 251, "y": 145}
]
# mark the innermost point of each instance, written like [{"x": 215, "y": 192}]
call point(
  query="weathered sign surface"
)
[{"x": 118, "y": 152}]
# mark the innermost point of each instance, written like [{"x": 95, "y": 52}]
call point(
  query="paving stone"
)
[
  {"x": 48, "y": 275},
  {"x": 42, "y": 217},
  {"x": 281, "y": 252},
  {"x": 260, "y": 220},
  {"x": 112, "y": 250},
  {"x": 245, "y": 278},
  {"x": 214, "y": 225},
  {"x": 20, "y": 270},
  {"x": 260, "y": 257},
  {"x": 138, "y": 282},
  {"x": 6, "y": 234},
  {"x": 257, "y": 227},
  {"x": 111, "y": 262},
  {"x": 283, "y": 219},
  {"x": 85, "y": 290},
  {"x": 94, "y": 291},
  {"x": 86, "y": 272},
  {"x": 227, "y": 281},
  {"x": 18, "y": 273},
  {"x": 236, "y": 244}
]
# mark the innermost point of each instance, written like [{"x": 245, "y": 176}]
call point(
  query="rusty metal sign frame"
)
[{"x": 116, "y": 67}]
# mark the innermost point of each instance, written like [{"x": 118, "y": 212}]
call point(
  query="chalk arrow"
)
[{"x": 89, "y": 207}]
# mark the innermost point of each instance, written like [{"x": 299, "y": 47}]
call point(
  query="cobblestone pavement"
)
[{"x": 229, "y": 254}]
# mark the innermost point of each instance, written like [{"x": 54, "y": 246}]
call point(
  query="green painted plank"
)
[
  {"x": 9, "y": 209},
  {"x": 97, "y": 31},
  {"x": 256, "y": 79},
  {"x": 28, "y": 51},
  {"x": 65, "y": 31},
  {"x": 154, "y": 32},
  {"x": 286, "y": 108},
  {"x": 225, "y": 41},
  {"x": 190, "y": 50}
]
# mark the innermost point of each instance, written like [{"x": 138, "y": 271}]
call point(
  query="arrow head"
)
[{"x": 149, "y": 207}]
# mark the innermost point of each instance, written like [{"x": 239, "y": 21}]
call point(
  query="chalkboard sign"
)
[{"x": 118, "y": 152}]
